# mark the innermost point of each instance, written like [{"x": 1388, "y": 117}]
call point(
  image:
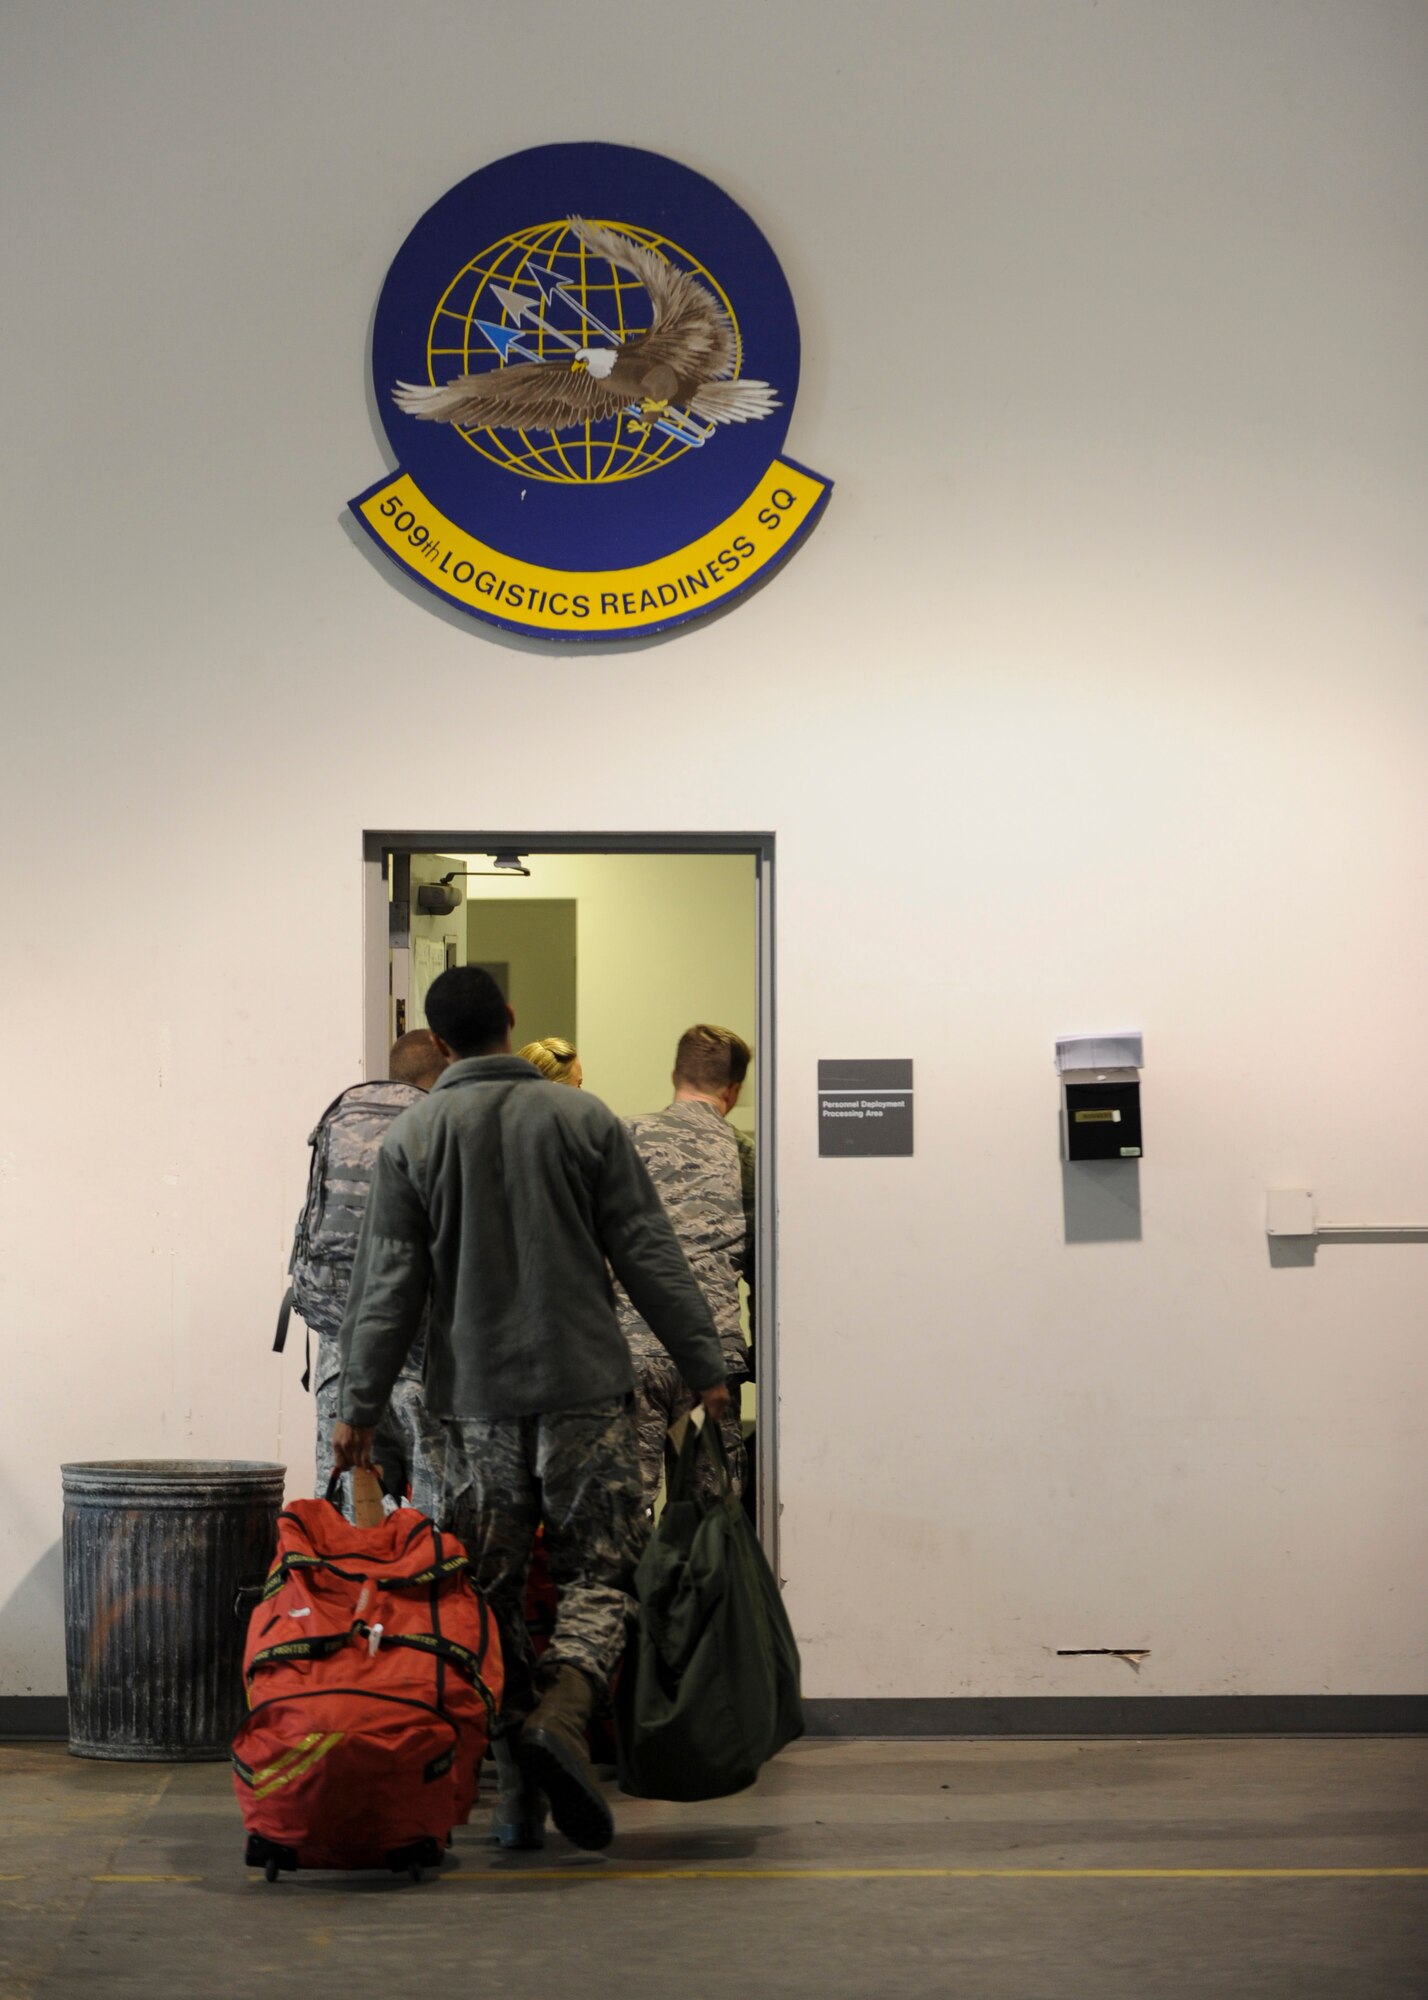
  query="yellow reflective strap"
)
[
  {"x": 285, "y": 1568},
  {"x": 293, "y": 1750},
  {"x": 321, "y": 1746}
]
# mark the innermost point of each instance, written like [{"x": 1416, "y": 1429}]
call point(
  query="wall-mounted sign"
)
[
  {"x": 865, "y": 1109},
  {"x": 585, "y": 359}
]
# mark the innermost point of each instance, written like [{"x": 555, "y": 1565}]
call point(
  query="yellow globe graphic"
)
[{"x": 596, "y": 300}]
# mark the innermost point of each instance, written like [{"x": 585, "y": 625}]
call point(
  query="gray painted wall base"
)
[
  {"x": 41, "y": 1718},
  {"x": 1110, "y": 1715},
  {"x": 44, "y": 1718}
]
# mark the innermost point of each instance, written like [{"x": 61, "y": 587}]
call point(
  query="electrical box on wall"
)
[
  {"x": 1100, "y": 1097},
  {"x": 1102, "y": 1116}
]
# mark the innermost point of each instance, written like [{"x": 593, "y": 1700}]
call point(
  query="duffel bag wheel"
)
[
  {"x": 270, "y": 1870},
  {"x": 416, "y": 1858}
]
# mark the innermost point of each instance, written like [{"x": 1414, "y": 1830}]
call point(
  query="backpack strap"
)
[
  {"x": 424, "y": 1579},
  {"x": 280, "y": 1337},
  {"x": 324, "y": 1645},
  {"x": 433, "y": 1643},
  {"x": 278, "y": 1576},
  {"x": 321, "y": 1648}
]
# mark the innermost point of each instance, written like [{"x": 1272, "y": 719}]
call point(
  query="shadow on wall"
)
[
  {"x": 1100, "y": 1201},
  {"x": 32, "y": 1626}
]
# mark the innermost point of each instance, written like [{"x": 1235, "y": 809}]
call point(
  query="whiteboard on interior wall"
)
[{"x": 429, "y": 962}]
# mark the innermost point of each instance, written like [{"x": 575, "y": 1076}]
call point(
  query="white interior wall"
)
[
  {"x": 662, "y": 941},
  {"x": 1096, "y": 701}
]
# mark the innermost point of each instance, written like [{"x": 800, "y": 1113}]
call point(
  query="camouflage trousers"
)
[
  {"x": 662, "y": 1399},
  {"x": 575, "y": 1472},
  {"x": 400, "y": 1435}
]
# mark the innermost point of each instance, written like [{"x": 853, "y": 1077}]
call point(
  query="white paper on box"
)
[{"x": 1081, "y": 1052}]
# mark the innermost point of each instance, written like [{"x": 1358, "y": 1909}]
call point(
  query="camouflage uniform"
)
[
  {"x": 347, "y": 1139},
  {"x": 400, "y": 1445},
  {"x": 744, "y": 1141},
  {"x": 498, "y": 1479},
  {"x": 703, "y": 1172}
]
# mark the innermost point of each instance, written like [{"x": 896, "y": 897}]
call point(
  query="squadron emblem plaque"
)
[{"x": 585, "y": 359}]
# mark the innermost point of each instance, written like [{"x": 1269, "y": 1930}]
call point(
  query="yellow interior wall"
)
[{"x": 662, "y": 941}]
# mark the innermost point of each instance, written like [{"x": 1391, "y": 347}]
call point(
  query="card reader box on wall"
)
[
  {"x": 1102, "y": 1116},
  {"x": 1100, "y": 1097}
]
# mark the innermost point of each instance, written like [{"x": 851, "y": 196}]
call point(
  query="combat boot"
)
[
  {"x": 519, "y": 1818},
  {"x": 554, "y": 1759}
]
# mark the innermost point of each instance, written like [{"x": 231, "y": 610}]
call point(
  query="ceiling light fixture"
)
[{"x": 507, "y": 861}]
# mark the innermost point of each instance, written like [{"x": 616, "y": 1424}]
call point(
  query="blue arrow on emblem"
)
[{"x": 502, "y": 338}]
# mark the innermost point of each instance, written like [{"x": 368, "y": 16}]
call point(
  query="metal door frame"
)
[{"x": 378, "y": 845}]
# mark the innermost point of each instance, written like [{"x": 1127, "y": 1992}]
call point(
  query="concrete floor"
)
[{"x": 1210, "y": 1868}]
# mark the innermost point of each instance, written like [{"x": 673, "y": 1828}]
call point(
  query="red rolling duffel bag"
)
[{"x": 374, "y": 1674}]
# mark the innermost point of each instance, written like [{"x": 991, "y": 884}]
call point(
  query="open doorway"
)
[{"x": 617, "y": 943}]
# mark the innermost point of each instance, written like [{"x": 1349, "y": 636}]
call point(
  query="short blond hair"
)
[{"x": 552, "y": 1057}]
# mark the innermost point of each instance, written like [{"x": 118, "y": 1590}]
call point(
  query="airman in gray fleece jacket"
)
[
  {"x": 498, "y": 1198},
  {"x": 502, "y": 1198}
]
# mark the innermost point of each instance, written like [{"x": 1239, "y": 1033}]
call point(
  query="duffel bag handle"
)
[
  {"x": 681, "y": 1483},
  {"x": 367, "y": 1509},
  {"x": 712, "y": 1435}
]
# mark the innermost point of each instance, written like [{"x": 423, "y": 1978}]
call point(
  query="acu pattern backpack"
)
[{"x": 345, "y": 1143}]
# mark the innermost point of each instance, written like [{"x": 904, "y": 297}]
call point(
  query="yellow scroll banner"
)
[{"x": 585, "y": 603}]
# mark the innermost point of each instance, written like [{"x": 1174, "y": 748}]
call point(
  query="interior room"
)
[{"x": 617, "y": 952}]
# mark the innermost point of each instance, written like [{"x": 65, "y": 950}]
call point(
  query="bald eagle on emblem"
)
[{"x": 682, "y": 363}]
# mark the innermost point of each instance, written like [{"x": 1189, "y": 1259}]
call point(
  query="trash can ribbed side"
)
[{"x": 154, "y": 1553}]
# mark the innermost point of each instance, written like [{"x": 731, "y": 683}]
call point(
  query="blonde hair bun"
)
[{"x": 552, "y": 1057}]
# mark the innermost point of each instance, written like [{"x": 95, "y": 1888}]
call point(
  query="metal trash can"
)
[{"x": 155, "y": 1551}]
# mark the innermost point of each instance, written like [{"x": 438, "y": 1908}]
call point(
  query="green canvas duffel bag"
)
[{"x": 709, "y": 1688}]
